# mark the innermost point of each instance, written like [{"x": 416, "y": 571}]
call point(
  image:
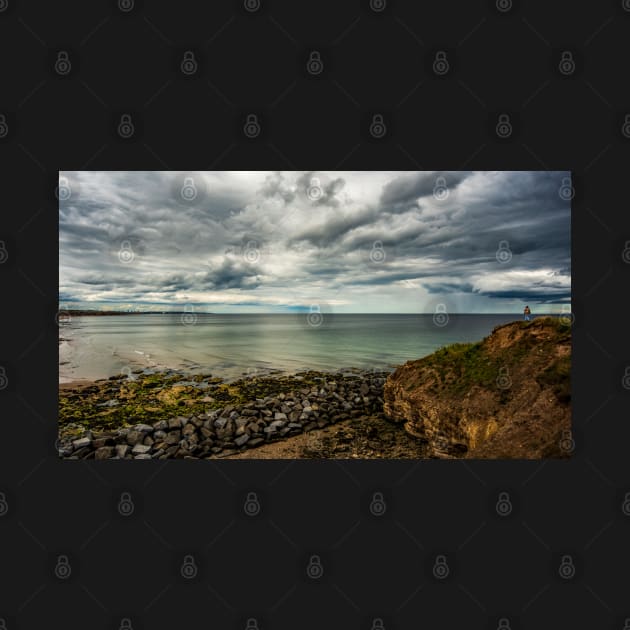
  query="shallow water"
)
[{"x": 232, "y": 345}]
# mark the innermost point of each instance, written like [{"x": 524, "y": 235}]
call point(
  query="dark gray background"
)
[{"x": 375, "y": 62}]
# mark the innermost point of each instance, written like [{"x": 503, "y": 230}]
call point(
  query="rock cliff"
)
[{"x": 507, "y": 396}]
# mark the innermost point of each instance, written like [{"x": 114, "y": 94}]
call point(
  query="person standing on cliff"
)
[{"x": 526, "y": 313}]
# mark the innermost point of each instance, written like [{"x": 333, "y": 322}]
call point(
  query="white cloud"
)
[{"x": 261, "y": 240}]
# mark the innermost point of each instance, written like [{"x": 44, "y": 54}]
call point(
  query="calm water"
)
[{"x": 231, "y": 345}]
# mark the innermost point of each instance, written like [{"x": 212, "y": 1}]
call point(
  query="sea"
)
[{"x": 231, "y": 346}]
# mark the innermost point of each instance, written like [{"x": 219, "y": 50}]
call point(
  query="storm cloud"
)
[{"x": 367, "y": 241}]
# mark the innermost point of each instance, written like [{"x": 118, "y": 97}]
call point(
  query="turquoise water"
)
[{"x": 232, "y": 345}]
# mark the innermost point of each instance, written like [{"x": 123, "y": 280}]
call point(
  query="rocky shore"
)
[
  {"x": 204, "y": 417},
  {"x": 505, "y": 397}
]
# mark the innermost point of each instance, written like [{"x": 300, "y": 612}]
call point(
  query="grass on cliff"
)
[{"x": 461, "y": 365}]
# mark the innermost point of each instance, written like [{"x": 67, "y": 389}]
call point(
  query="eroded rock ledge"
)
[{"x": 507, "y": 396}]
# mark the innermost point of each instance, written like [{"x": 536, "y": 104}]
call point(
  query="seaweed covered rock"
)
[{"x": 507, "y": 396}]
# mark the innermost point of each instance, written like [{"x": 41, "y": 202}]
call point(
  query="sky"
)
[{"x": 338, "y": 241}]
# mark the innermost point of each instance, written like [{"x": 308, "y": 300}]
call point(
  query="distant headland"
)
[{"x": 82, "y": 313}]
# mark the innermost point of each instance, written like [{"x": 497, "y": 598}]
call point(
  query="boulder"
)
[
  {"x": 104, "y": 452},
  {"x": 239, "y": 441},
  {"x": 140, "y": 449},
  {"x": 81, "y": 443}
]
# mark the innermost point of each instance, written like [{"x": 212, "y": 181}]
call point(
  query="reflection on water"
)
[{"x": 232, "y": 345}]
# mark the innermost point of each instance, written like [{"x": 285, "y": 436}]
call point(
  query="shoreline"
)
[{"x": 159, "y": 415}]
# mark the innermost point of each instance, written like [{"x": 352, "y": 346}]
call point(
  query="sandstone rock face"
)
[{"x": 506, "y": 397}]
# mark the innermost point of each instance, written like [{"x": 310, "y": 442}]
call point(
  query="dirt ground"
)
[{"x": 366, "y": 437}]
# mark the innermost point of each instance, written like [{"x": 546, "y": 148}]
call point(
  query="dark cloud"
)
[
  {"x": 325, "y": 188},
  {"x": 231, "y": 274},
  {"x": 263, "y": 238},
  {"x": 416, "y": 185}
]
